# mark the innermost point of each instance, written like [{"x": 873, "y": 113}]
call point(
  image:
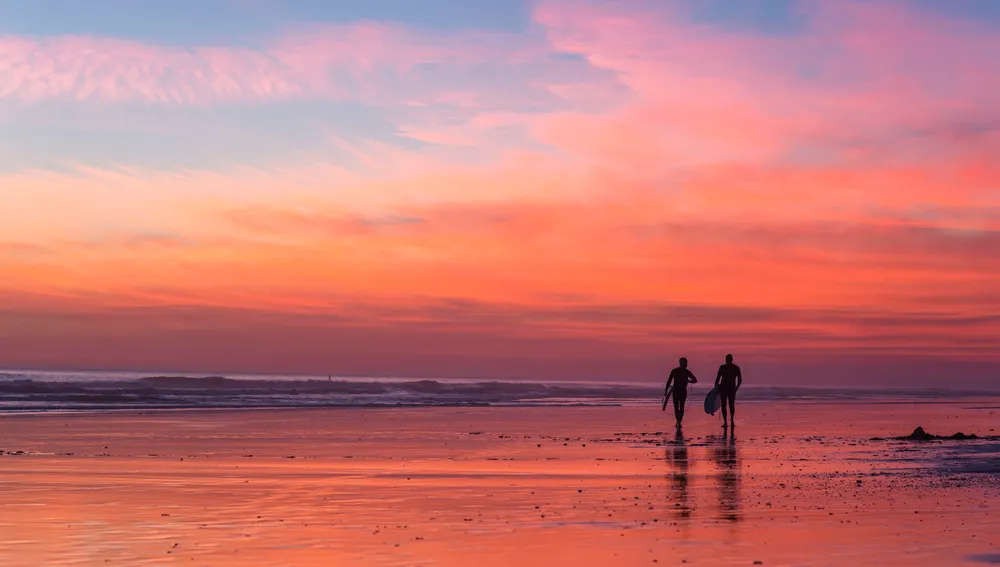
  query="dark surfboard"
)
[{"x": 713, "y": 401}]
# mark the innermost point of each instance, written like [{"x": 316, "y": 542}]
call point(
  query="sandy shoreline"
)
[{"x": 798, "y": 484}]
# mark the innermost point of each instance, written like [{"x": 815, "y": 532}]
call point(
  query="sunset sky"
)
[{"x": 571, "y": 189}]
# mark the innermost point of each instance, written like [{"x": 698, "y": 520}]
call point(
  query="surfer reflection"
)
[
  {"x": 725, "y": 454},
  {"x": 677, "y": 460}
]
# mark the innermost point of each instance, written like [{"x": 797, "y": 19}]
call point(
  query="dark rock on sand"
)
[
  {"x": 920, "y": 435},
  {"x": 990, "y": 558}
]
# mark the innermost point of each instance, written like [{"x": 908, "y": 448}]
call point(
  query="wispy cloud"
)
[
  {"x": 705, "y": 94},
  {"x": 371, "y": 61}
]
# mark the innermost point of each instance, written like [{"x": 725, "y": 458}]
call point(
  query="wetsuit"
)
[
  {"x": 681, "y": 377},
  {"x": 729, "y": 380}
]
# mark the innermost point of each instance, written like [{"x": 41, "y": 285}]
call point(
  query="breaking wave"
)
[{"x": 21, "y": 391}]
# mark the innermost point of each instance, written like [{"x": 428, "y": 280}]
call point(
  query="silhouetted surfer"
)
[
  {"x": 728, "y": 382},
  {"x": 680, "y": 377}
]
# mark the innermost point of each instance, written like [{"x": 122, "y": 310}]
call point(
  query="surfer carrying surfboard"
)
[
  {"x": 728, "y": 382},
  {"x": 679, "y": 379}
]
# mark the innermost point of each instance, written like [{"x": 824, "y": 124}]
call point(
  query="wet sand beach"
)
[{"x": 795, "y": 484}]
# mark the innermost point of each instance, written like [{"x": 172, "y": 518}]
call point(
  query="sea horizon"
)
[{"x": 39, "y": 390}]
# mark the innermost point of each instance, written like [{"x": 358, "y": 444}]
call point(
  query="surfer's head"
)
[
  {"x": 684, "y": 362},
  {"x": 729, "y": 359}
]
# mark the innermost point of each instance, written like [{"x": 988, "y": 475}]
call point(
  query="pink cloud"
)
[
  {"x": 857, "y": 73},
  {"x": 697, "y": 92}
]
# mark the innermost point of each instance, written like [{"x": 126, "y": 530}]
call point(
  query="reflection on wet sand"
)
[
  {"x": 725, "y": 454},
  {"x": 492, "y": 487},
  {"x": 677, "y": 460}
]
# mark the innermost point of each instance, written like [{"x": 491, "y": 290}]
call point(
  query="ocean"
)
[{"x": 33, "y": 390}]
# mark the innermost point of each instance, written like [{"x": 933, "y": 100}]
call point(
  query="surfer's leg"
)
[
  {"x": 732, "y": 407},
  {"x": 723, "y": 394},
  {"x": 679, "y": 407}
]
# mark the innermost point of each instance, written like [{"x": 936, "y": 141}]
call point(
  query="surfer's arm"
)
[
  {"x": 718, "y": 377},
  {"x": 739, "y": 378},
  {"x": 691, "y": 378}
]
